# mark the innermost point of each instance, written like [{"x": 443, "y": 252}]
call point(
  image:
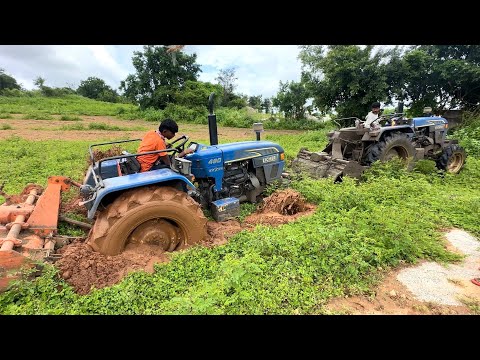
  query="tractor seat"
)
[{"x": 129, "y": 165}]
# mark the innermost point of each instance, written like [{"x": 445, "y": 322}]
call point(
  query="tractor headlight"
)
[{"x": 184, "y": 166}]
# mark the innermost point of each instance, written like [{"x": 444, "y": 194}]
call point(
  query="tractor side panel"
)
[{"x": 127, "y": 182}]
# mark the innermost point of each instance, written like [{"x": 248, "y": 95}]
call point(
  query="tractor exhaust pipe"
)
[
  {"x": 212, "y": 121},
  {"x": 258, "y": 128}
]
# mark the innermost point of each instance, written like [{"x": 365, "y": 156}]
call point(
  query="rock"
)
[
  {"x": 393, "y": 294},
  {"x": 67, "y": 274}
]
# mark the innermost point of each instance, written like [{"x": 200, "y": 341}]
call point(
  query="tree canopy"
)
[
  {"x": 95, "y": 88},
  {"x": 7, "y": 81},
  {"x": 348, "y": 78},
  {"x": 157, "y": 78},
  {"x": 291, "y": 99}
]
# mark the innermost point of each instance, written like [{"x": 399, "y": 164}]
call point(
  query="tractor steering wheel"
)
[
  {"x": 182, "y": 140},
  {"x": 181, "y": 143}
]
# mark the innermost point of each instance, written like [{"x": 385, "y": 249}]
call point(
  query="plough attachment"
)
[
  {"x": 28, "y": 225},
  {"x": 322, "y": 165}
]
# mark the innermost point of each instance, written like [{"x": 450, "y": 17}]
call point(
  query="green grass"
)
[
  {"x": 37, "y": 116},
  {"x": 392, "y": 217},
  {"x": 101, "y": 126},
  {"x": 70, "y": 106},
  {"x": 5, "y": 116},
  {"x": 6, "y": 127},
  {"x": 67, "y": 105},
  {"x": 70, "y": 118}
]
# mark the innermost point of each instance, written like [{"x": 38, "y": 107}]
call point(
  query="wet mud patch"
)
[
  {"x": 85, "y": 269},
  {"x": 280, "y": 208}
]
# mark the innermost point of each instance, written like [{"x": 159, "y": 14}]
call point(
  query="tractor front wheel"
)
[
  {"x": 160, "y": 216},
  {"x": 452, "y": 159}
]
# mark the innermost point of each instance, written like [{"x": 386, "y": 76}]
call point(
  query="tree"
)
[
  {"x": 95, "y": 88},
  {"x": 196, "y": 93},
  {"x": 347, "y": 78},
  {"x": 255, "y": 102},
  {"x": 291, "y": 99},
  {"x": 157, "y": 79},
  {"x": 7, "y": 81},
  {"x": 226, "y": 78},
  {"x": 439, "y": 76},
  {"x": 266, "y": 105},
  {"x": 40, "y": 82}
]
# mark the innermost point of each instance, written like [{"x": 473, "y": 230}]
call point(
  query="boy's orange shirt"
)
[{"x": 152, "y": 141}]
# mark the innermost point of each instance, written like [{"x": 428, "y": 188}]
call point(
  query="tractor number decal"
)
[
  {"x": 215, "y": 169},
  {"x": 270, "y": 158},
  {"x": 215, "y": 161}
]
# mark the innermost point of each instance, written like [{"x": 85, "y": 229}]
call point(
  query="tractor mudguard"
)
[{"x": 127, "y": 182}]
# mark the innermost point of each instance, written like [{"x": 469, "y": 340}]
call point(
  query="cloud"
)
[{"x": 259, "y": 68}]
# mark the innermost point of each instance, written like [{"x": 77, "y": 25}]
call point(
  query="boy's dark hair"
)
[
  {"x": 168, "y": 124},
  {"x": 375, "y": 105}
]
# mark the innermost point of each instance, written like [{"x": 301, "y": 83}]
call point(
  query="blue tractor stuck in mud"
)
[{"x": 164, "y": 207}]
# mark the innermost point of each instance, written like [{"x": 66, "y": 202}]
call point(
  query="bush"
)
[{"x": 197, "y": 115}]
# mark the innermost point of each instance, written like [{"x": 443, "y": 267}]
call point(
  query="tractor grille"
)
[{"x": 274, "y": 172}]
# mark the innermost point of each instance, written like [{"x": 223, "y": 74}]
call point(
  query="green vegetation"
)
[
  {"x": 37, "y": 116},
  {"x": 357, "y": 232},
  {"x": 95, "y": 88},
  {"x": 348, "y": 78},
  {"x": 5, "y": 127},
  {"x": 66, "y": 105},
  {"x": 102, "y": 126},
  {"x": 70, "y": 118}
]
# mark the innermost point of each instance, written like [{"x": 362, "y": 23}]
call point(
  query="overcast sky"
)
[{"x": 259, "y": 68}]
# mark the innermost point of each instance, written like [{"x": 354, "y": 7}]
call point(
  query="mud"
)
[
  {"x": 114, "y": 150},
  {"x": 72, "y": 206},
  {"x": 85, "y": 269},
  {"x": 280, "y": 208},
  {"x": 22, "y": 197},
  {"x": 391, "y": 297}
]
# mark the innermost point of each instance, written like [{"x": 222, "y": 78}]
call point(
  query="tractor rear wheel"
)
[
  {"x": 160, "y": 216},
  {"x": 396, "y": 146},
  {"x": 452, "y": 159}
]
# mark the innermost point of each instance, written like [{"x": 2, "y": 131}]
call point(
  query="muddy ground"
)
[{"x": 85, "y": 269}]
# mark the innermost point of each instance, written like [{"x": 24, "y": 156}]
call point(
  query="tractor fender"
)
[
  {"x": 386, "y": 131},
  {"x": 116, "y": 185}
]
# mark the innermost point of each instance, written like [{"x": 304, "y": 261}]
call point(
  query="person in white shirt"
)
[{"x": 372, "y": 116}]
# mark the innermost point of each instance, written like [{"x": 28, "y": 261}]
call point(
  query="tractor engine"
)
[{"x": 237, "y": 180}]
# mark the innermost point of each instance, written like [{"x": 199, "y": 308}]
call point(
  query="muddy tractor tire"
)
[
  {"x": 160, "y": 216},
  {"x": 396, "y": 146},
  {"x": 452, "y": 159}
]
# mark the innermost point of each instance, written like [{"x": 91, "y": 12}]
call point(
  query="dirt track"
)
[{"x": 49, "y": 129}]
